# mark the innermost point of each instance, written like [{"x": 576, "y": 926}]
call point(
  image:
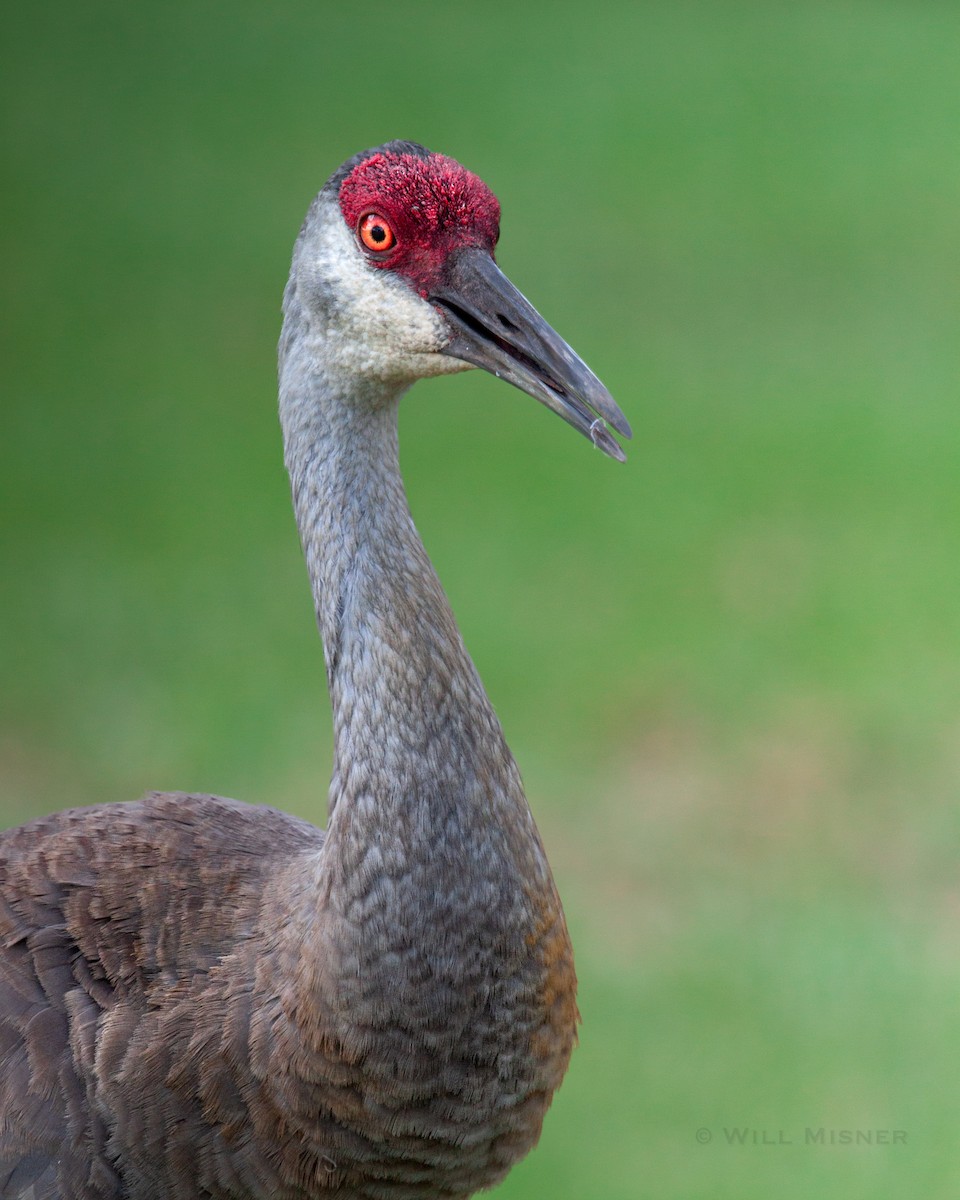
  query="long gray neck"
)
[{"x": 414, "y": 731}]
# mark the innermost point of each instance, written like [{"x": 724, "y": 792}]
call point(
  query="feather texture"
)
[{"x": 202, "y": 1000}]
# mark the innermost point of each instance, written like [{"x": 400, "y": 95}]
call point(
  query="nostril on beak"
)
[{"x": 506, "y": 322}]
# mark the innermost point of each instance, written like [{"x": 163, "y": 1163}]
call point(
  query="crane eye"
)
[{"x": 376, "y": 233}]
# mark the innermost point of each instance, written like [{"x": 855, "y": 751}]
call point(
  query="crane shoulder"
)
[
  {"x": 153, "y": 888},
  {"x": 103, "y": 911}
]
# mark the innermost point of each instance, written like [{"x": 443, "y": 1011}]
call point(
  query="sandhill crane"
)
[{"x": 204, "y": 999}]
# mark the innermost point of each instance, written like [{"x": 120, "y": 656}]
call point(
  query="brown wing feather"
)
[{"x": 103, "y": 912}]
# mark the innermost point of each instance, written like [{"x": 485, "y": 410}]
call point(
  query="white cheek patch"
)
[{"x": 373, "y": 321}]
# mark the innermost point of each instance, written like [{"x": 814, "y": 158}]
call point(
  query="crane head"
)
[{"x": 401, "y": 242}]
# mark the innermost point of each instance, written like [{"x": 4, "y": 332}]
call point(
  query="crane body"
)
[{"x": 205, "y": 999}]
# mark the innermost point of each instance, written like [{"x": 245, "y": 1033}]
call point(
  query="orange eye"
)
[{"x": 375, "y": 233}]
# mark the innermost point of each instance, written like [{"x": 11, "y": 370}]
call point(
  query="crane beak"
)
[{"x": 497, "y": 328}]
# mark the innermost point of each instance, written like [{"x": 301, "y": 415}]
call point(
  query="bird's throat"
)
[{"x": 413, "y": 726}]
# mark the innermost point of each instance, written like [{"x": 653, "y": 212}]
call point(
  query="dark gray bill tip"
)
[
  {"x": 601, "y": 438},
  {"x": 495, "y": 327}
]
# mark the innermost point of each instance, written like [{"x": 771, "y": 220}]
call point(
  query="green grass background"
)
[{"x": 728, "y": 669}]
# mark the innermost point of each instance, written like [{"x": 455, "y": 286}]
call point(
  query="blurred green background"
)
[{"x": 729, "y": 669}]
